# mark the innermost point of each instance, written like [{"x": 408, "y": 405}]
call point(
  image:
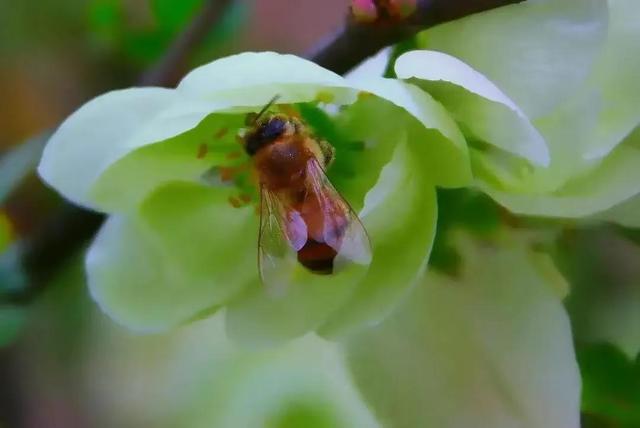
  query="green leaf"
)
[
  {"x": 537, "y": 52},
  {"x": 485, "y": 111},
  {"x": 186, "y": 251},
  {"x": 472, "y": 350}
]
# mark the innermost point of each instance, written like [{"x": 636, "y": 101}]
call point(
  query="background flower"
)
[{"x": 568, "y": 66}]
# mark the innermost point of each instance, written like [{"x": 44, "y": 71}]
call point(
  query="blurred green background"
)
[{"x": 64, "y": 364}]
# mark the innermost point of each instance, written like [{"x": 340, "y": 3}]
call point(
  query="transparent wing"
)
[
  {"x": 314, "y": 233},
  {"x": 282, "y": 234},
  {"x": 339, "y": 226}
]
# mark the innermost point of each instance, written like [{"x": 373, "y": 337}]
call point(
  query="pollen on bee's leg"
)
[
  {"x": 233, "y": 155},
  {"x": 246, "y": 199},
  {"x": 203, "y": 149}
]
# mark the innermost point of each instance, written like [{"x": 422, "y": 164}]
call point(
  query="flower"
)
[
  {"x": 174, "y": 249},
  {"x": 491, "y": 347},
  {"x": 569, "y": 67}
]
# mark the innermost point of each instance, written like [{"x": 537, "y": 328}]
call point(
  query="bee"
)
[{"x": 303, "y": 219}]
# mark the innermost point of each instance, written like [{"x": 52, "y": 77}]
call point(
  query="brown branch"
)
[
  {"x": 355, "y": 42},
  {"x": 72, "y": 227}
]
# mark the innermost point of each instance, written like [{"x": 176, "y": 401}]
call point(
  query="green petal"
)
[
  {"x": 626, "y": 214},
  {"x": 400, "y": 216},
  {"x": 474, "y": 351},
  {"x": 613, "y": 181},
  {"x": 260, "y": 318},
  {"x": 431, "y": 130},
  {"x": 111, "y": 126},
  {"x": 616, "y": 79},
  {"x": 186, "y": 251},
  {"x": 130, "y": 179},
  {"x": 253, "y": 78},
  {"x": 566, "y": 131},
  {"x": 476, "y": 102},
  {"x": 538, "y": 52},
  {"x": 99, "y": 133}
]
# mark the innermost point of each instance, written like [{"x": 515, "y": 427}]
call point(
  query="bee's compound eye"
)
[
  {"x": 273, "y": 129},
  {"x": 265, "y": 134}
]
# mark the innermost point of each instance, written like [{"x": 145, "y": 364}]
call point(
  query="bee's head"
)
[{"x": 266, "y": 130}]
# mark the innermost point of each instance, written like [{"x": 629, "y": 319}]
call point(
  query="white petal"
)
[{"x": 475, "y": 101}]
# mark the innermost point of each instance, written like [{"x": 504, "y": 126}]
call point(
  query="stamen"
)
[
  {"x": 235, "y": 202},
  {"x": 203, "y": 149},
  {"x": 234, "y": 155},
  {"x": 221, "y": 133}
]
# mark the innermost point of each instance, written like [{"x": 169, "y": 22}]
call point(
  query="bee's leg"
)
[{"x": 328, "y": 153}]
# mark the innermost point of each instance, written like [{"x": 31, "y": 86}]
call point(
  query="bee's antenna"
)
[{"x": 255, "y": 118}]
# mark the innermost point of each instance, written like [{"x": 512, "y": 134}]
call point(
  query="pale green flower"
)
[
  {"x": 489, "y": 348},
  {"x": 173, "y": 247},
  {"x": 570, "y": 67}
]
